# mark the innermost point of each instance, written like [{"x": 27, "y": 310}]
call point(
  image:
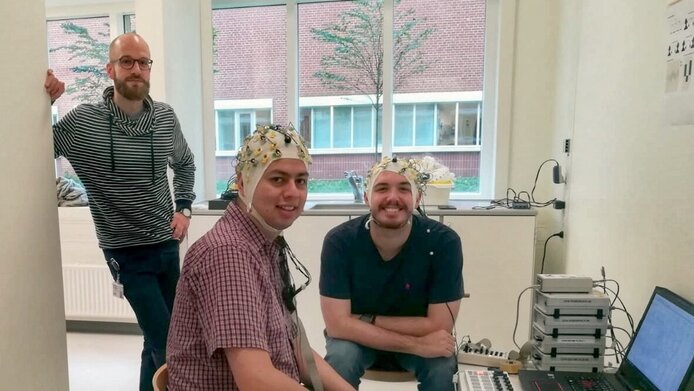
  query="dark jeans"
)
[
  {"x": 350, "y": 360},
  {"x": 149, "y": 275}
]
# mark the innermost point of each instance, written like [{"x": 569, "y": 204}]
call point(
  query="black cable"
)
[
  {"x": 622, "y": 329},
  {"x": 532, "y": 192},
  {"x": 629, "y": 318},
  {"x": 516, "y": 198},
  {"x": 544, "y": 252},
  {"x": 623, "y": 308},
  {"x": 422, "y": 211}
]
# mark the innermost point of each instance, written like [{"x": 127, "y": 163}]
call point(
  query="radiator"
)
[{"x": 88, "y": 295}]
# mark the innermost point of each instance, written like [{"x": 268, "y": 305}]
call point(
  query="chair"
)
[
  {"x": 387, "y": 371},
  {"x": 161, "y": 378},
  {"x": 386, "y": 375}
]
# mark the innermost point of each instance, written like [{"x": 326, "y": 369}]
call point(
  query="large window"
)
[{"x": 436, "y": 101}]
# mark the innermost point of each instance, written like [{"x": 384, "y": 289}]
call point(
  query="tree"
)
[
  {"x": 356, "y": 63},
  {"x": 92, "y": 56}
]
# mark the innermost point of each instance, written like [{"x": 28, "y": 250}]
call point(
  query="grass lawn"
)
[{"x": 462, "y": 184}]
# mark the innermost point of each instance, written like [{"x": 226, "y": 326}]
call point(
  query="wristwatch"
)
[
  {"x": 368, "y": 318},
  {"x": 185, "y": 212}
]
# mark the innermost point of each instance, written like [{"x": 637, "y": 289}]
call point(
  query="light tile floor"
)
[{"x": 110, "y": 362}]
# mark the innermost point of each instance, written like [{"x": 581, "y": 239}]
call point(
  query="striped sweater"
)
[{"x": 122, "y": 162}]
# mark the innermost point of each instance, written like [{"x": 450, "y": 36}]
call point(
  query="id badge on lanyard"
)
[{"x": 118, "y": 291}]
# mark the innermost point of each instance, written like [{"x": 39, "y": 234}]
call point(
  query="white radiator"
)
[{"x": 88, "y": 295}]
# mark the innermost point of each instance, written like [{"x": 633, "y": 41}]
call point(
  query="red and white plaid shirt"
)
[{"x": 228, "y": 296}]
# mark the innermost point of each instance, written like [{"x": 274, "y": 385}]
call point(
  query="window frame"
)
[
  {"x": 353, "y": 101},
  {"x": 497, "y": 87},
  {"x": 247, "y": 106}
]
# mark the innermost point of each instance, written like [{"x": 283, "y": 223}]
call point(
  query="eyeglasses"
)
[{"x": 129, "y": 63}]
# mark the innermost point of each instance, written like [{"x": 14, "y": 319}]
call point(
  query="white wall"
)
[
  {"x": 33, "y": 352},
  {"x": 533, "y": 120},
  {"x": 172, "y": 29},
  {"x": 628, "y": 190},
  {"x": 592, "y": 71}
]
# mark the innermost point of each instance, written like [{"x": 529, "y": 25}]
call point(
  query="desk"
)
[{"x": 371, "y": 385}]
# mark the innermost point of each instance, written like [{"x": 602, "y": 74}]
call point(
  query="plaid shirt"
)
[{"x": 228, "y": 296}]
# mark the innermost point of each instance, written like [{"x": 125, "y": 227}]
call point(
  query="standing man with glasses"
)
[{"x": 120, "y": 148}]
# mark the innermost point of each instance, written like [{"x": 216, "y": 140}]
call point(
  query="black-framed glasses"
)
[{"x": 129, "y": 62}]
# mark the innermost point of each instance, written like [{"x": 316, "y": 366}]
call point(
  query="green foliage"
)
[
  {"x": 329, "y": 186},
  {"x": 462, "y": 184},
  {"x": 466, "y": 184},
  {"x": 92, "y": 55},
  {"x": 73, "y": 177}
]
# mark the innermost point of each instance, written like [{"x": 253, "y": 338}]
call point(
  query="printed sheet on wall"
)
[{"x": 679, "y": 59}]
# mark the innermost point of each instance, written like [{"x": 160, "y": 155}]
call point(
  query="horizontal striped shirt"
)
[{"x": 122, "y": 162}]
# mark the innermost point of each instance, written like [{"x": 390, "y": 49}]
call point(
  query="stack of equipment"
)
[{"x": 568, "y": 330}]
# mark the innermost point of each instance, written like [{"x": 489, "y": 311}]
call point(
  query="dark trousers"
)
[{"x": 149, "y": 275}]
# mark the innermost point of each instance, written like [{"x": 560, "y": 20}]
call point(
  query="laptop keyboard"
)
[{"x": 588, "y": 383}]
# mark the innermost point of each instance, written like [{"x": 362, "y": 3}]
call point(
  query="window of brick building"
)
[
  {"x": 250, "y": 83},
  {"x": 437, "y": 96}
]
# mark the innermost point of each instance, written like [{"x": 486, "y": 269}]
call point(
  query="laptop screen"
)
[{"x": 663, "y": 346}]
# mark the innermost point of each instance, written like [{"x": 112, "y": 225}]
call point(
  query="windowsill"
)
[{"x": 348, "y": 208}]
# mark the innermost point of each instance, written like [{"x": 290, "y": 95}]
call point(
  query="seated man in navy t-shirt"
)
[{"x": 391, "y": 284}]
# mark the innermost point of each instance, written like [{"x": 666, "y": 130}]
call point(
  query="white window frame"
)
[
  {"x": 497, "y": 85},
  {"x": 239, "y": 106},
  {"x": 434, "y": 98},
  {"x": 498, "y": 71}
]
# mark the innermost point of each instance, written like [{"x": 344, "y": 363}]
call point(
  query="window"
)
[
  {"x": 437, "y": 70},
  {"x": 250, "y": 83},
  {"x": 440, "y": 82},
  {"x": 129, "y": 23},
  {"x": 434, "y": 125},
  {"x": 338, "y": 127},
  {"x": 233, "y": 125},
  {"x": 77, "y": 53}
]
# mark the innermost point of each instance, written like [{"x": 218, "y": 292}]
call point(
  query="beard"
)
[
  {"x": 137, "y": 92},
  {"x": 390, "y": 224},
  {"x": 381, "y": 219}
]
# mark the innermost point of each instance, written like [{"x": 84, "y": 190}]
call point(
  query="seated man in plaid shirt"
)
[{"x": 231, "y": 327}]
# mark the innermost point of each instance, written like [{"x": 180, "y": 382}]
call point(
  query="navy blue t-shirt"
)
[{"x": 428, "y": 269}]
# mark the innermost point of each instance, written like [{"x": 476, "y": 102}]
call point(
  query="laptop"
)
[{"x": 660, "y": 356}]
